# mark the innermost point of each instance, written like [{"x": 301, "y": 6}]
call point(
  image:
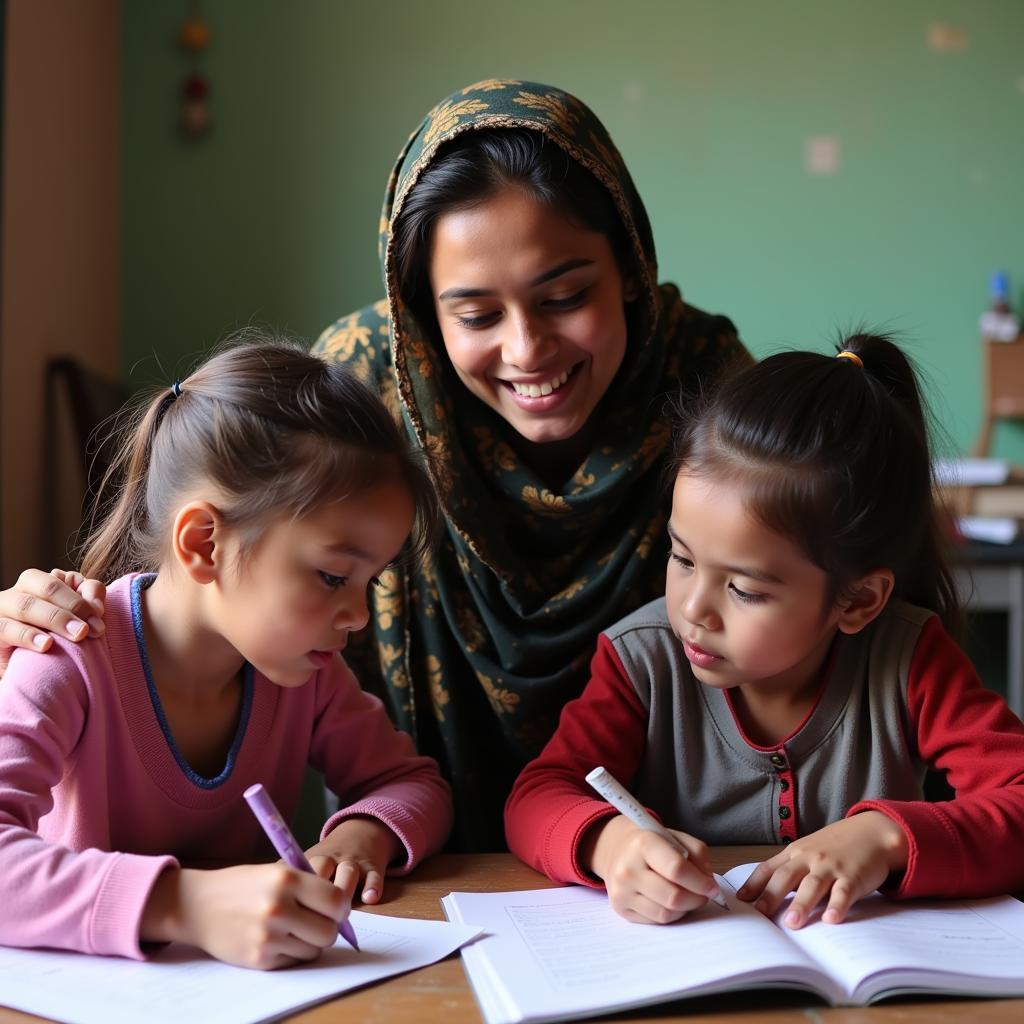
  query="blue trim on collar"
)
[{"x": 138, "y": 585}]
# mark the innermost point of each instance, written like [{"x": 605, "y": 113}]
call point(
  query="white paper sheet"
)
[{"x": 181, "y": 984}]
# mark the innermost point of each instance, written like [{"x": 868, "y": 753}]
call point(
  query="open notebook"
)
[
  {"x": 182, "y": 984},
  {"x": 556, "y": 954}
]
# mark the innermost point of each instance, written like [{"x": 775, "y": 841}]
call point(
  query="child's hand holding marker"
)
[
  {"x": 653, "y": 875},
  {"x": 262, "y": 916},
  {"x": 357, "y": 851}
]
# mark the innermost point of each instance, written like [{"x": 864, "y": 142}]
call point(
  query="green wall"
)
[{"x": 274, "y": 216}]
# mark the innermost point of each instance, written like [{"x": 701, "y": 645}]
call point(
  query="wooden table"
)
[{"x": 441, "y": 993}]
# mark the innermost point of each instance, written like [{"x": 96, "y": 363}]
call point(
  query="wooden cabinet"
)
[{"x": 1003, "y": 382}]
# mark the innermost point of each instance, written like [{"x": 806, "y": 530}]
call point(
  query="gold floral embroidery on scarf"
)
[
  {"x": 439, "y": 448},
  {"x": 387, "y": 598},
  {"x": 611, "y": 159},
  {"x": 445, "y": 117},
  {"x": 470, "y": 627},
  {"x": 643, "y": 549},
  {"x": 362, "y": 367},
  {"x": 389, "y": 396},
  {"x": 428, "y": 595},
  {"x": 502, "y": 700},
  {"x": 545, "y": 501},
  {"x": 554, "y": 106},
  {"x": 346, "y": 335},
  {"x": 505, "y": 457},
  {"x": 417, "y": 350},
  {"x": 438, "y": 693},
  {"x": 490, "y": 85},
  {"x": 654, "y": 443},
  {"x": 494, "y": 453},
  {"x": 571, "y": 591},
  {"x": 389, "y": 654},
  {"x": 582, "y": 479}
]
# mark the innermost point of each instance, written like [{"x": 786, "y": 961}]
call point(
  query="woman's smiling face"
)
[{"x": 531, "y": 310}]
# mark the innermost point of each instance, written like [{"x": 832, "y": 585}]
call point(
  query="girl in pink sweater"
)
[{"x": 257, "y": 501}]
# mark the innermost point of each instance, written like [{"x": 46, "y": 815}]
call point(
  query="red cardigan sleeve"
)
[
  {"x": 551, "y": 805},
  {"x": 969, "y": 846}
]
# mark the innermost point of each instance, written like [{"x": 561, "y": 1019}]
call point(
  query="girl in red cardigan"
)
[{"x": 797, "y": 678}]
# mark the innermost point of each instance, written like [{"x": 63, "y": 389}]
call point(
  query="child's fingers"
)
[
  {"x": 843, "y": 897},
  {"x": 316, "y": 912},
  {"x": 758, "y": 879},
  {"x": 685, "y": 872},
  {"x": 783, "y": 881},
  {"x": 810, "y": 892},
  {"x": 323, "y": 865},
  {"x": 346, "y": 878},
  {"x": 675, "y": 898},
  {"x": 639, "y": 909},
  {"x": 373, "y": 887},
  {"x": 696, "y": 850},
  {"x": 290, "y": 949}
]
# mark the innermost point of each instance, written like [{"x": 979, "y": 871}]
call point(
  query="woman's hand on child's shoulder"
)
[
  {"x": 41, "y": 603},
  {"x": 648, "y": 880},
  {"x": 841, "y": 863},
  {"x": 260, "y": 915},
  {"x": 358, "y": 850}
]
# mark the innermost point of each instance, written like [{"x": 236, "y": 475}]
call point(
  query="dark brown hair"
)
[
  {"x": 273, "y": 430},
  {"x": 837, "y": 458}
]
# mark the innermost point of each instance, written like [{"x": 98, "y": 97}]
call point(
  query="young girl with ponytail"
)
[
  {"x": 800, "y": 674},
  {"x": 251, "y": 508}
]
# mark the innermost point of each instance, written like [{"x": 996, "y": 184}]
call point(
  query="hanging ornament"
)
[
  {"x": 194, "y": 34},
  {"x": 195, "y": 113},
  {"x": 194, "y": 38}
]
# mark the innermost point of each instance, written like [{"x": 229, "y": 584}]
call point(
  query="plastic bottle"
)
[{"x": 999, "y": 322}]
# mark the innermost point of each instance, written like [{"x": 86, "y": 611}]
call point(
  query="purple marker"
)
[{"x": 284, "y": 842}]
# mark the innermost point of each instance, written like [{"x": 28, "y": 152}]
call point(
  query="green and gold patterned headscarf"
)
[{"x": 478, "y": 651}]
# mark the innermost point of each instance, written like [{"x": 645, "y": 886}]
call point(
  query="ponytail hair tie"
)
[
  {"x": 852, "y": 356},
  {"x": 176, "y": 389}
]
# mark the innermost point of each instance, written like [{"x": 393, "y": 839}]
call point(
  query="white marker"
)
[{"x": 620, "y": 798}]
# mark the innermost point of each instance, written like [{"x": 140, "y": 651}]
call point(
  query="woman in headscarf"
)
[{"x": 527, "y": 345}]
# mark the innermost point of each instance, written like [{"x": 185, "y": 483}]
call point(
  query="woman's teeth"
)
[{"x": 537, "y": 390}]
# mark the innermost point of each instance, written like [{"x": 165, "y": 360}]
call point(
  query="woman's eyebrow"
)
[
  {"x": 548, "y": 275},
  {"x": 562, "y": 268}
]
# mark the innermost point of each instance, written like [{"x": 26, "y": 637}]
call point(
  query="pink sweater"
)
[{"x": 86, "y": 769}]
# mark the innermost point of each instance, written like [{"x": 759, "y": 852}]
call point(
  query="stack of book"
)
[{"x": 985, "y": 497}]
